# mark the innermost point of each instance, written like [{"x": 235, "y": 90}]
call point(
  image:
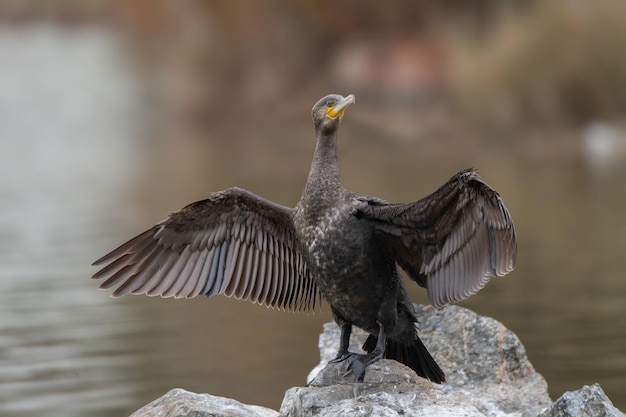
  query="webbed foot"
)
[
  {"x": 356, "y": 367},
  {"x": 341, "y": 356},
  {"x": 356, "y": 364}
]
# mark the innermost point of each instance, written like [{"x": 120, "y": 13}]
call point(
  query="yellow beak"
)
[{"x": 338, "y": 109}]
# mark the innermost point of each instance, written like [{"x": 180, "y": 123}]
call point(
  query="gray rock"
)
[
  {"x": 389, "y": 389},
  {"x": 488, "y": 374},
  {"x": 181, "y": 403},
  {"x": 589, "y": 401}
]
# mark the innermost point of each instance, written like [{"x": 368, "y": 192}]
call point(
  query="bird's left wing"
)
[
  {"x": 450, "y": 242},
  {"x": 233, "y": 243}
]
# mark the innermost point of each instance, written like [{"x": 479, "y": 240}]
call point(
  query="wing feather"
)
[
  {"x": 213, "y": 285},
  {"x": 241, "y": 278},
  {"x": 185, "y": 275},
  {"x": 187, "y": 287},
  {"x": 243, "y": 291},
  {"x": 220, "y": 282},
  {"x": 234, "y": 250},
  {"x": 252, "y": 273},
  {"x": 147, "y": 271},
  {"x": 156, "y": 287},
  {"x": 201, "y": 279},
  {"x": 259, "y": 290},
  {"x": 277, "y": 281}
]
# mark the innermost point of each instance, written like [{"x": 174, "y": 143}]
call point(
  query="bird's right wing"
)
[{"x": 233, "y": 243}]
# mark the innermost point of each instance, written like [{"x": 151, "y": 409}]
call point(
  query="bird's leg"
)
[
  {"x": 344, "y": 343},
  {"x": 358, "y": 363}
]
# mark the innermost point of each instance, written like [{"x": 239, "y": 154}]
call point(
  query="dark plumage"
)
[{"x": 334, "y": 245}]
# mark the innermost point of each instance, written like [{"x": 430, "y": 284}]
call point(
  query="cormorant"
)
[{"x": 334, "y": 245}]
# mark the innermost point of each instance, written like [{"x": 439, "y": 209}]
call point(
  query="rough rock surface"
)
[
  {"x": 488, "y": 374},
  {"x": 589, "y": 401},
  {"x": 389, "y": 389},
  {"x": 179, "y": 403}
]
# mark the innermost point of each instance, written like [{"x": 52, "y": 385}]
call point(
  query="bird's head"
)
[{"x": 328, "y": 111}]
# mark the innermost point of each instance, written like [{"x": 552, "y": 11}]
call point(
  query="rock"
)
[
  {"x": 181, "y": 403},
  {"x": 488, "y": 374},
  {"x": 389, "y": 389},
  {"x": 589, "y": 401}
]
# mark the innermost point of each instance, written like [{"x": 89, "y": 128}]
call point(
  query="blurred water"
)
[
  {"x": 66, "y": 108},
  {"x": 78, "y": 176}
]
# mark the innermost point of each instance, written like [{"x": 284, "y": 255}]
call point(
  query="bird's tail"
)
[{"x": 413, "y": 354}]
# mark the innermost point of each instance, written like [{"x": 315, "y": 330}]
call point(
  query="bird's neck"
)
[{"x": 324, "y": 172}]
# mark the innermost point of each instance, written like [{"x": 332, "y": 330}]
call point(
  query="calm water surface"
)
[{"x": 78, "y": 176}]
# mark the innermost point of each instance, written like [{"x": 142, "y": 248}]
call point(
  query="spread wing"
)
[
  {"x": 452, "y": 241},
  {"x": 233, "y": 243}
]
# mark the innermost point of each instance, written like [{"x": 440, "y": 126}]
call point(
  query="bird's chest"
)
[
  {"x": 327, "y": 237},
  {"x": 337, "y": 248}
]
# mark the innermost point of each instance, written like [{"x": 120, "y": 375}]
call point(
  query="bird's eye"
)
[{"x": 329, "y": 103}]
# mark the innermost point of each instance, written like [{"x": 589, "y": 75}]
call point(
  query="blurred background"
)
[{"x": 115, "y": 113}]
